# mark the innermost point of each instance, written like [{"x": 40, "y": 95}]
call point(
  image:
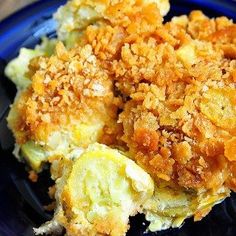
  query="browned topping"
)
[
  {"x": 52, "y": 191},
  {"x": 174, "y": 84},
  {"x": 50, "y": 207},
  {"x": 146, "y": 139},
  {"x": 33, "y": 176},
  {"x": 70, "y": 86}
]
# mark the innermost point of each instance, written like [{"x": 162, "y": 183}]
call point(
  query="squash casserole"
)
[{"x": 130, "y": 113}]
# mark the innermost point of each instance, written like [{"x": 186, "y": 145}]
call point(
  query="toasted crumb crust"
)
[
  {"x": 66, "y": 88},
  {"x": 33, "y": 176},
  {"x": 173, "y": 83}
]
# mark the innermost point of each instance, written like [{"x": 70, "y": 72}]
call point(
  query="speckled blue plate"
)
[{"x": 21, "y": 202}]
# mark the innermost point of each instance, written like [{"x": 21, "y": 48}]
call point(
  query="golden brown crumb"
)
[
  {"x": 173, "y": 83},
  {"x": 33, "y": 176},
  {"x": 51, "y": 192},
  {"x": 67, "y": 87},
  {"x": 50, "y": 207},
  {"x": 201, "y": 214}
]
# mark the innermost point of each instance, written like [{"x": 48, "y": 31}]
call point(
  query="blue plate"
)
[{"x": 21, "y": 202}]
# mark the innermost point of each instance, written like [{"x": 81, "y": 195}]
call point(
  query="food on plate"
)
[{"x": 133, "y": 115}]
